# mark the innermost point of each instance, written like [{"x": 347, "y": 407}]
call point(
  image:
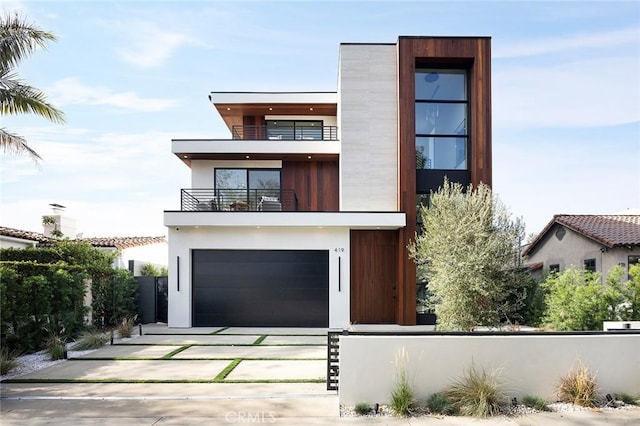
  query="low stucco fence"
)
[{"x": 530, "y": 363}]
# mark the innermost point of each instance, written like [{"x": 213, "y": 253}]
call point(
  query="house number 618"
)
[{"x": 339, "y": 249}]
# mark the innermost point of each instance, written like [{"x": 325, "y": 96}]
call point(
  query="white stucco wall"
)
[
  {"x": 17, "y": 243},
  {"x": 528, "y": 364},
  {"x": 368, "y": 127},
  {"x": 574, "y": 248},
  {"x": 202, "y": 170},
  {"x": 182, "y": 241}
]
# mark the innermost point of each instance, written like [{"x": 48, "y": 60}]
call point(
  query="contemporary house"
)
[
  {"x": 593, "y": 242},
  {"x": 302, "y": 215}
]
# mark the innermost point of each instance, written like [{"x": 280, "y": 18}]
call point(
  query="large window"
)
[
  {"x": 240, "y": 189},
  {"x": 441, "y": 119},
  {"x": 294, "y": 130}
]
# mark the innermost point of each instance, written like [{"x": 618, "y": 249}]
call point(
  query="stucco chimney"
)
[{"x": 58, "y": 225}]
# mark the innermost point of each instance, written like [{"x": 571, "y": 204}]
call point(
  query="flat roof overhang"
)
[
  {"x": 233, "y": 106},
  {"x": 227, "y": 149},
  {"x": 351, "y": 220}
]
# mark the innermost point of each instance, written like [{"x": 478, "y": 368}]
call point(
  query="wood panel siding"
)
[
  {"x": 373, "y": 273},
  {"x": 474, "y": 55},
  {"x": 316, "y": 184}
]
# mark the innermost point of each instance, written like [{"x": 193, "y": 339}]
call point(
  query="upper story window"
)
[
  {"x": 295, "y": 130},
  {"x": 441, "y": 116},
  {"x": 242, "y": 189}
]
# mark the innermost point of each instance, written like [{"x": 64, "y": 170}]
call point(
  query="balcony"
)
[
  {"x": 238, "y": 200},
  {"x": 290, "y": 133}
]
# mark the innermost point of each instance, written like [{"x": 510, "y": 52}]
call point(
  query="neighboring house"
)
[
  {"x": 303, "y": 215},
  {"x": 19, "y": 239},
  {"x": 593, "y": 242},
  {"x": 134, "y": 252}
]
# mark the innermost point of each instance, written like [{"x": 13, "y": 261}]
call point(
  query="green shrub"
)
[
  {"x": 438, "y": 403},
  {"x": 536, "y": 402},
  {"x": 363, "y": 408},
  {"x": 626, "y": 398},
  {"x": 114, "y": 297},
  {"x": 91, "y": 340},
  {"x": 402, "y": 396},
  {"x": 46, "y": 285},
  {"x": 578, "y": 387},
  {"x": 56, "y": 347},
  {"x": 8, "y": 361},
  {"x": 478, "y": 393}
]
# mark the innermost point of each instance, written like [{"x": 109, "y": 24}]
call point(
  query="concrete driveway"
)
[
  {"x": 228, "y": 374},
  {"x": 213, "y": 376}
]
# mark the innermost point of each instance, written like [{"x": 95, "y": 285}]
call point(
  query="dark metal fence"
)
[
  {"x": 238, "y": 200},
  {"x": 293, "y": 133}
]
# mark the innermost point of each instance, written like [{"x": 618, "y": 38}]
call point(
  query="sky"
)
[{"x": 132, "y": 75}]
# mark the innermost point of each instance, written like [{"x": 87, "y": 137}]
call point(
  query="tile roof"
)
[
  {"x": 25, "y": 235},
  {"x": 123, "y": 242},
  {"x": 609, "y": 230},
  {"x": 117, "y": 242}
]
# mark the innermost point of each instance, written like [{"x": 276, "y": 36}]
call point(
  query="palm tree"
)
[{"x": 17, "y": 41}]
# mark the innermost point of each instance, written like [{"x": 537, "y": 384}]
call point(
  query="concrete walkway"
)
[{"x": 212, "y": 376}]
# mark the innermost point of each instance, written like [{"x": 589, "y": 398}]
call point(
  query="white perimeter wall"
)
[
  {"x": 334, "y": 240},
  {"x": 529, "y": 364},
  {"x": 368, "y": 128}
]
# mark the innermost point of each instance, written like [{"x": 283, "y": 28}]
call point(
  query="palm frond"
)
[
  {"x": 15, "y": 144},
  {"x": 18, "y": 39},
  {"x": 18, "y": 98}
]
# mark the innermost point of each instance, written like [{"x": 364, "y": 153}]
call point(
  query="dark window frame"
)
[
  {"x": 295, "y": 127},
  {"x": 590, "y": 264},
  {"x": 467, "y": 102},
  {"x": 248, "y": 199}
]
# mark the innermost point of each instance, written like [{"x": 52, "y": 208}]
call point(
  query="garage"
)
[{"x": 260, "y": 288}]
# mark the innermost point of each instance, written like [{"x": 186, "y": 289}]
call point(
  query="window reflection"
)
[{"x": 441, "y": 119}]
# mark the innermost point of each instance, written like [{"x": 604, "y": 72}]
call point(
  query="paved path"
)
[{"x": 252, "y": 375}]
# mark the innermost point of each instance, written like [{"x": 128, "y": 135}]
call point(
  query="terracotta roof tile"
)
[
  {"x": 117, "y": 242},
  {"x": 25, "y": 235},
  {"x": 609, "y": 230},
  {"x": 123, "y": 242}
]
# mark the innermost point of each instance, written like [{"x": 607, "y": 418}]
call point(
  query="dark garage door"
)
[{"x": 260, "y": 288}]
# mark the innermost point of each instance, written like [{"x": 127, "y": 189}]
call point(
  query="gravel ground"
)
[
  {"x": 39, "y": 360},
  {"x": 511, "y": 411}
]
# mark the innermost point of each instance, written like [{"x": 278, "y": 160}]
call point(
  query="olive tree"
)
[{"x": 468, "y": 252}]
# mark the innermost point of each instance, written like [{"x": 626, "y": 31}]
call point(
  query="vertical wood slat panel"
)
[
  {"x": 315, "y": 184},
  {"x": 373, "y": 276},
  {"x": 474, "y": 54}
]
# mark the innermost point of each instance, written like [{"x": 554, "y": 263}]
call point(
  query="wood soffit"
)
[{"x": 232, "y": 113}]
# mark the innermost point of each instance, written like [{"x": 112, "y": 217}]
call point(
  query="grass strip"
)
[
  {"x": 176, "y": 351},
  {"x": 222, "y": 358},
  {"x": 260, "y": 339},
  {"x": 161, "y": 381},
  {"x": 218, "y": 344},
  {"x": 228, "y": 369},
  {"x": 219, "y": 331}
]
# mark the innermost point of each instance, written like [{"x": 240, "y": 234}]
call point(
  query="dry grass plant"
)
[
  {"x": 578, "y": 387},
  {"x": 91, "y": 340},
  {"x": 478, "y": 393},
  {"x": 8, "y": 361},
  {"x": 125, "y": 328}
]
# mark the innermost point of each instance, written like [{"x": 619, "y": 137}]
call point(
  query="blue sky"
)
[{"x": 132, "y": 75}]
